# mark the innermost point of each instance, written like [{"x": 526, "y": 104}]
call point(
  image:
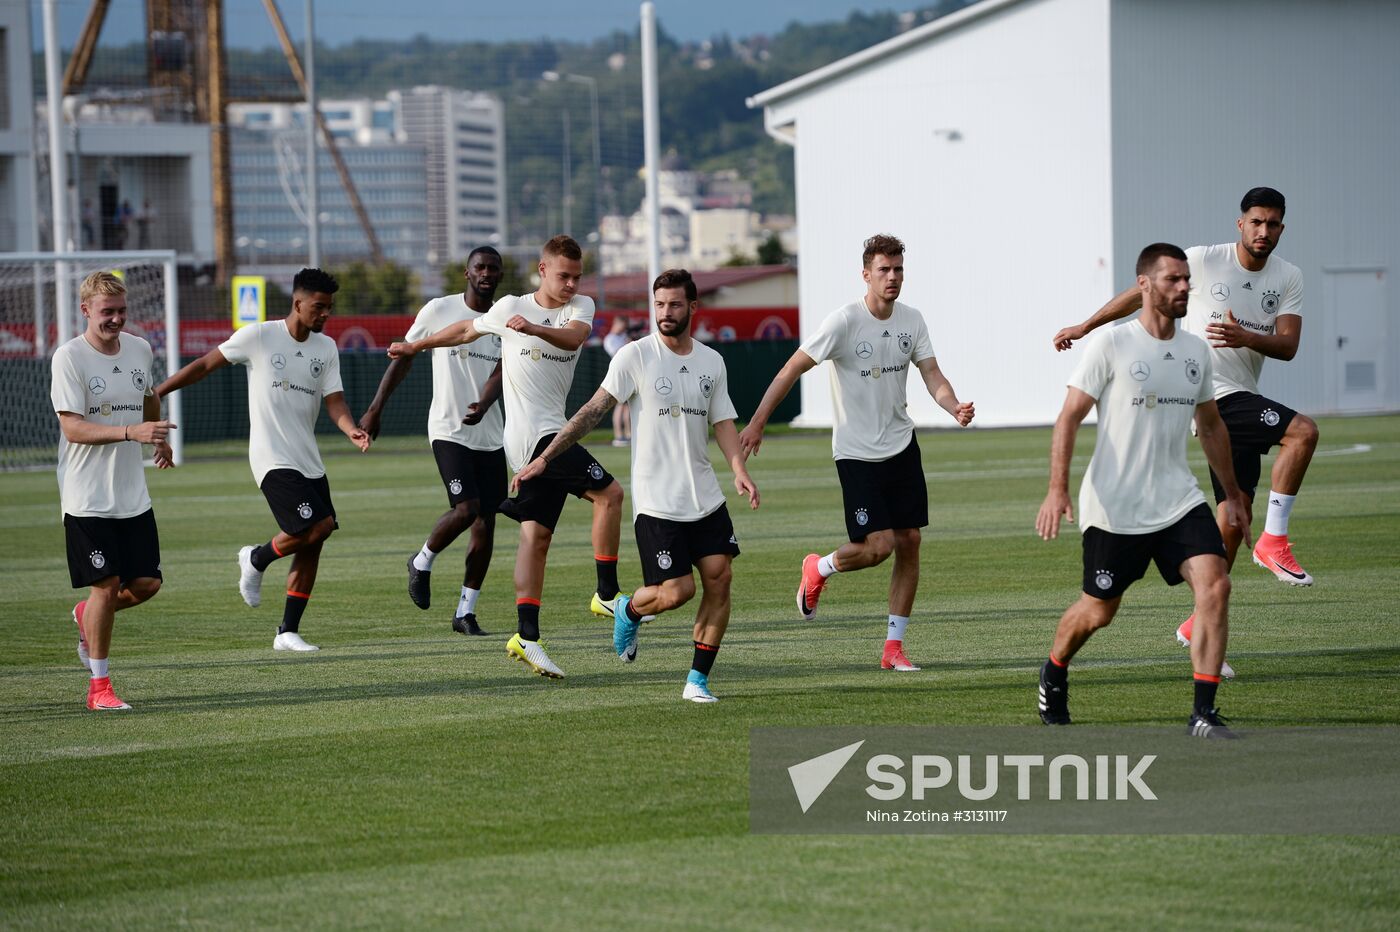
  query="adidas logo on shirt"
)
[
  {"x": 116, "y": 368},
  {"x": 684, "y": 369},
  {"x": 1248, "y": 286},
  {"x": 885, "y": 334},
  {"x": 298, "y": 354},
  {"x": 1169, "y": 356}
]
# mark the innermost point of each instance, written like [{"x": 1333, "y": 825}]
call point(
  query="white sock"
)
[
  {"x": 1280, "y": 507},
  {"x": 98, "y": 667},
  {"x": 897, "y": 625},
  {"x": 466, "y": 605},
  {"x": 827, "y": 565},
  {"x": 423, "y": 562}
]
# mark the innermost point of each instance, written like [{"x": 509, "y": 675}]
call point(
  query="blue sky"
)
[{"x": 340, "y": 21}]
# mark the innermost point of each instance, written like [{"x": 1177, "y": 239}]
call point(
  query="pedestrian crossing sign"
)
[{"x": 249, "y": 300}]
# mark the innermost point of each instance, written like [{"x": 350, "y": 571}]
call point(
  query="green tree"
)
[
  {"x": 376, "y": 289},
  {"x": 771, "y": 252}
]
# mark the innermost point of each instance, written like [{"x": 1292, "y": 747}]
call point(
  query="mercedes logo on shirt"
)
[
  {"x": 1220, "y": 291},
  {"x": 1139, "y": 370},
  {"x": 663, "y": 386}
]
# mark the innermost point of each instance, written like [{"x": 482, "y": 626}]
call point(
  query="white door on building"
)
[{"x": 1357, "y": 338}]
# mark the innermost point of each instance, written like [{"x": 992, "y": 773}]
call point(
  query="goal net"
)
[{"x": 39, "y": 310}]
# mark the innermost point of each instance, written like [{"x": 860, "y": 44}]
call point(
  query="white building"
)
[
  {"x": 464, "y": 134},
  {"x": 17, "y": 176},
  {"x": 1025, "y": 150}
]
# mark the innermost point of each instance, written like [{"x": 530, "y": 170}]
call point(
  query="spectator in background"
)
[
  {"x": 618, "y": 337},
  {"x": 122, "y": 223},
  {"x": 144, "y": 219},
  {"x": 89, "y": 223}
]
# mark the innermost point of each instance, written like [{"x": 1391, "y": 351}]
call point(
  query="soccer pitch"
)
[{"x": 406, "y": 776}]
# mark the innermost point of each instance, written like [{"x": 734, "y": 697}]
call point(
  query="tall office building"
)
[{"x": 464, "y": 135}]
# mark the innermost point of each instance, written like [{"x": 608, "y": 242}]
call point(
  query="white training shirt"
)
[
  {"x": 286, "y": 382},
  {"x": 870, "y": 359},
  {"x": 102, "y": 480},
  {"x": 674, "y": 400},
  {"x": 535, "y": 374},
  {"x": 459, "y": 376},
  {"x": 1147, "y": 391},
  {"x": 1256, "y": 299}
]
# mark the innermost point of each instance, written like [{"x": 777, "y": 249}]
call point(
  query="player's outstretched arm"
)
[
  {"x": 1215, "y": 441},
  {"x": 1057, "y": 501},
  {"x": 398, "y": 370},
  {"x": 192, "y": 373},
  {"x": 1121, "y": 305},
  {"x": 567, "y": 338},
  {"x": 78, "y": 429},
  {"x": 341, "y": 417},
  {"x": 490, "y": 394},
  {"x": 751, "y": 437},
  {"x": 941, "y": 391},
  {"x": 164, "y": 457},
  {"x": 451, "y": 335},
  {"x": 727, "y": 436},
  {"x": 584, "y": 420}
]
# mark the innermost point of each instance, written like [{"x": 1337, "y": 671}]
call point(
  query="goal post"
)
[{"x": 39, "y": 311}]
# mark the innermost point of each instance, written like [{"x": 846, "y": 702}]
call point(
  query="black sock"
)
[
  {"x": 262, "y": 557},
  {"x": 1055, "y": 674},
  {"x": 1205, "y": 694},
  {"x": 529, "y": 615},
  {"x": 607, "y": 578},
  {"x": 704, "y": 658},
  {"x": 632, "y": 614},
  {"x": 291, "y": 615}
]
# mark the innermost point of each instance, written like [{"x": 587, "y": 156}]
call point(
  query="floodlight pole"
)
[
  {"x": 58, "y": 173},
  {"x": 651, "y": 125},
  {"x": 313, "y": 168}
]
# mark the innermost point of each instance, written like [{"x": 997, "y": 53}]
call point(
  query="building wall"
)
[
  {"x": 771, "y": 291},
  {"x": 1212, "y": 99},
  {"x": 464, "y": 136},
  {"x": 389, "y": 179},
  {"x": 986, "y": 149},
  {"x": 166, "y": 164},
  {"x": 17, "y": 193}
]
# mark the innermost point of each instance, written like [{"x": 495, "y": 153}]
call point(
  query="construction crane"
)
[{"x": 185, "y": 57}]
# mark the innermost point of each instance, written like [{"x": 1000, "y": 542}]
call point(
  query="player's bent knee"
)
[
  {"x": 1216, "y": 591},
  {"x": 319, "y": 531},
  {"x": 677, "y": 592},
  {"x": 144, "y": 588},
  {"x": 908, "y": 539},
  {"x": 1303, "y": 430},
  {"x": 880, "y": 546}
]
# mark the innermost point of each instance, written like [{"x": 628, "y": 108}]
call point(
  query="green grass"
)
[{"x": 406, "y": 777}]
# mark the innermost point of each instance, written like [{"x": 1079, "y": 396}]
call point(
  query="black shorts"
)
[
  {"x": 670, "y": 548},
  {"x": 296, "y": 501},
  {"x": 541, "y": 499},
  {"x": 471, "y": 474},
  {"x": 127, "y": 548},
  {"x": 1254, "y": 424},
  {"x": 888, "y": 494},
  {"x": 1113, "y": 562}
]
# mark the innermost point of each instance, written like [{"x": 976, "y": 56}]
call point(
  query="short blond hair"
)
[{"x": 100, "y": 283}]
